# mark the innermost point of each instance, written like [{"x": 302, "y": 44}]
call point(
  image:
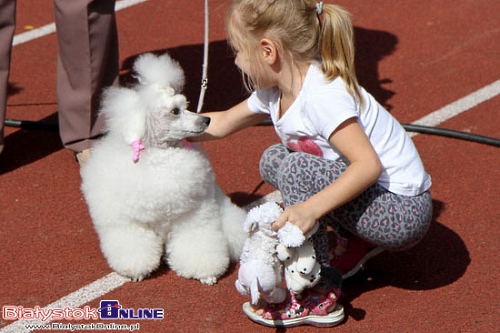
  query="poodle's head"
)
[
  {"x": 154, "y": 112},
  {"x": 261, "y": 217}
]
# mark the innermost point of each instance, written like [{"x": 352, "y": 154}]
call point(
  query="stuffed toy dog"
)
[
  {"x": 260, "y": 272},
  {"x": 302, "y": 271},
  {"x": 152, "y": 194}
]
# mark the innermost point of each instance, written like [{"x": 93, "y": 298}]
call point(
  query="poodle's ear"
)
[
  {"x": 161, "y": 70},
  {"x": 124, "y": 114}
]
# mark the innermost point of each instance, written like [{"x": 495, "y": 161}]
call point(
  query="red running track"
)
[{"x": 414, "y": 56}]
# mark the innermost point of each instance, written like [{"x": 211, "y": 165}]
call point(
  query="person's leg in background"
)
[
  {"x": 88, "y": 62},
  {"x": 7, "y": 27}
]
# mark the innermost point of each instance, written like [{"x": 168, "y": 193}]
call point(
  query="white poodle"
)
[{"x": 150, "y": 192}]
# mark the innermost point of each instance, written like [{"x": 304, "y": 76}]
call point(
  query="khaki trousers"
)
[{"x": 88, "y": 62}]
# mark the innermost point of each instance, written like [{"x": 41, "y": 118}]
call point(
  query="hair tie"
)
[{"x": 319, "y": 8}]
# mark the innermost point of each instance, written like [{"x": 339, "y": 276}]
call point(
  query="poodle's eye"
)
[{"x": 175, "y": 111}]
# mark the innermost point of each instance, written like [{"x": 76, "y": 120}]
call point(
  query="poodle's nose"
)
[{"x": 206, "y": 120}]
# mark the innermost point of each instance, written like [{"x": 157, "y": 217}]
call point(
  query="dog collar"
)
[{"x": 187, "y": 144}]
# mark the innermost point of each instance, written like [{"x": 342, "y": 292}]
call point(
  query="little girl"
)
[{"x": 344, "y": 161}]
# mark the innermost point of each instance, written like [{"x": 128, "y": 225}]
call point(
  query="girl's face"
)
[
  {"x": 247, "y": 56},
  {"x": 254, "y": 68}
]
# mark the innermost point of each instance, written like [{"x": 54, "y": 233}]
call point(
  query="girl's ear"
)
[{"x": 268, "y": 51}]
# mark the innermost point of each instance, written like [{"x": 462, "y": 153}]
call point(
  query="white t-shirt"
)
[{"x": 321, "y": 106}]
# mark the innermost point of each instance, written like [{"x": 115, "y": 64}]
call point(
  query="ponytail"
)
[
  {"x": 299, "y": 35},
  {"x": 336, "y": 48}
]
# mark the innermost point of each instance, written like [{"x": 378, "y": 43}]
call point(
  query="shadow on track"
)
[{"x": 225, "y": 89}]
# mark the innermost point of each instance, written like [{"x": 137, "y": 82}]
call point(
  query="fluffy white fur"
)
[
  {"x": 261, "y": 270},
  {"x": 166, "y": 203}
]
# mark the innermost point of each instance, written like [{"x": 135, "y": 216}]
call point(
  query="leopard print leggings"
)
[{"x": 391, "y": 221}]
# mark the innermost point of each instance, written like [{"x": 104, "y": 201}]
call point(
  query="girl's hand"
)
[{"x": 298, "y": 215}]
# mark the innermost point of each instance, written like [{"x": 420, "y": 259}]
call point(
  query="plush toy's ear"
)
[
  {"x": 252, "y": 220},
  {"x": 267, "y": 212},
  {"x": 270, "y": 211},
  {"x": 284, "y": 253},
  {"x": 290, "y": 235}
]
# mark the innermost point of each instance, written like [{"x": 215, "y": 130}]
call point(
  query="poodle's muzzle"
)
[{"x": 167, "y": 127}]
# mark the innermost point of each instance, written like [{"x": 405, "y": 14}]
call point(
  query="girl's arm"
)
[
  {"x": 363, "y": 171},
  {"x": 223, "y": 123}
]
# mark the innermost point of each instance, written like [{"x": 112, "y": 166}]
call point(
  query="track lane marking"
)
[
  {"x": 459, "y": 106},
  {"x": 74, "y": 300},
  {"x": 50, "y": 28}
]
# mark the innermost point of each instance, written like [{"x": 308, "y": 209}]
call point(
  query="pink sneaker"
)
[
  {"x": 318, "y": 303},
  {"x": 311, "y": 310},
  {"x": 358, "y": 252}
]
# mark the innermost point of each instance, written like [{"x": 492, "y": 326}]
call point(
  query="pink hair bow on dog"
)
[{"x": 137, "y": 146}]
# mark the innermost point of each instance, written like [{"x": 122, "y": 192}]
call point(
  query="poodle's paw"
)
[
  {"x": 138, "y": 274},
  {"x": 211, "y": 280},
  {"x": 134, "y": 278},
  {"x": 198, "y": 253},
  {"x": 136, "y": 268},
  {"x": 132, "y": 251}
]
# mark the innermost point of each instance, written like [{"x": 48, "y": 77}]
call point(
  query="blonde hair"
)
[{"x": 300, "y": 34}]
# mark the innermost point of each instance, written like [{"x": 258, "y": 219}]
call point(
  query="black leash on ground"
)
[
  {"x": 441, "y": 132},
  {"x": 452, "y": 134},
  {"x": 32, "y": 125},
  {"x": 47, "y": 126}
]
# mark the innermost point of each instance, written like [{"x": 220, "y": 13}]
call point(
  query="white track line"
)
[
  {"x": 463, "y": 104},
  {"x": 74, "y": 300},
  {"x": 51, "y": 27}
]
